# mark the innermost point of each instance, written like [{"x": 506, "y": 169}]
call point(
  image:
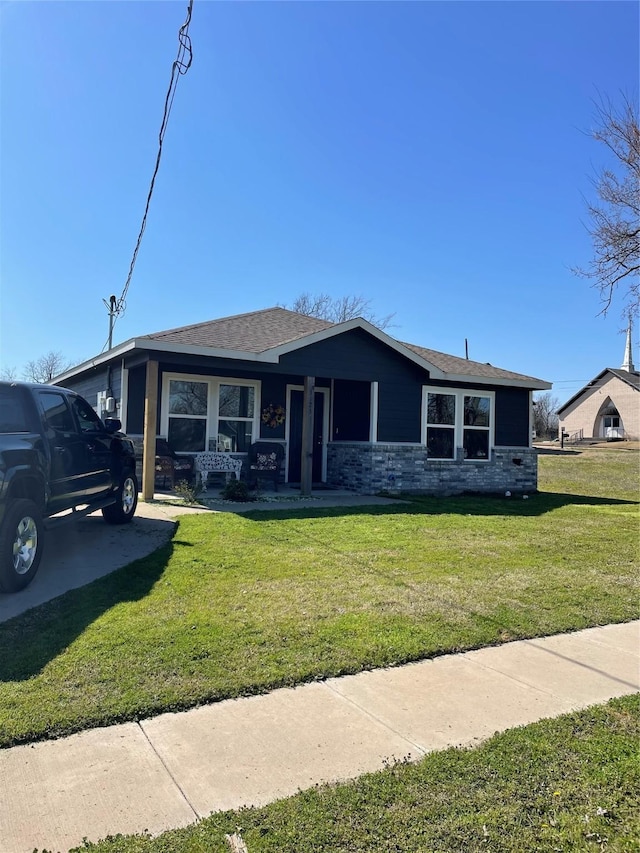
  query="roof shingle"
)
[
  {"x": 254, "y": 332},
  {"x": 463, "y": 366}
]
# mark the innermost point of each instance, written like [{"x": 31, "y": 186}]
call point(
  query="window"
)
[
  {"x": 201, "y": 413},
  {"x": 87, "y": 418},
  {"x": 441, "y": 426},
  {"x": 12, "y": 414},
  {"x": 612, "y": 421},
  {"x": 236, "y": 405},
  {"x": 56, "y": 412},
  {"x": 475, "y": 439},
  {"x": 457, "y": 419},
  {"x": 188, "y": 403}
]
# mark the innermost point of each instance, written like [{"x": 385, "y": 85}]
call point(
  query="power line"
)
[{"x": 180, "y": 66}]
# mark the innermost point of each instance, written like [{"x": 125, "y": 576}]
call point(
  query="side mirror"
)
[{"x": 112, "y": 425}]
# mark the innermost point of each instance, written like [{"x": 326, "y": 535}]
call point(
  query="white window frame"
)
[
  {"x": 449, "y": 392},
  {"x": 459, "y": 426},
  {"x": 213, "y": 402}
]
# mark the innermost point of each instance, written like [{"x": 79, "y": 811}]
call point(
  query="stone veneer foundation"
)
[{"x": 370, "y": 468}]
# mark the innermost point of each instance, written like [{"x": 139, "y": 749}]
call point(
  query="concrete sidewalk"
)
[{"x": 168, "y": 771}]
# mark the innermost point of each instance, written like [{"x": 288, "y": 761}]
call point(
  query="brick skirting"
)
[{"x": 371, "y": 468}]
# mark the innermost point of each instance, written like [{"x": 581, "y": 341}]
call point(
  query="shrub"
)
[
  {"x": 236, "y": 490},
  {"x": 189, "y": 492}
]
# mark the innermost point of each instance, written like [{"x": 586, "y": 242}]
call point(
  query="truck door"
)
[
  {"x": 69, "y": 461},
  {"x": 98, "y": 447}
]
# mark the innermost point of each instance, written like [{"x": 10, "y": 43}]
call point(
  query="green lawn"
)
[
  {"x": 239, "y": 604},
  {"x": 568, "y": 784}
]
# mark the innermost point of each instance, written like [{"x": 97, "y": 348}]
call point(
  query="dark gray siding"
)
[
  {"x": 352, "y": 355},
  {"x": 512, "y": 417},
  {"x": 274, "y": 392},
  {"x": 99, "y": 379},
  {"x": 135, "y": 406},
  {"x": 351, "y": 410},
  {"x": 358, "y": 356},
  {"x": 399, "y": 413}
]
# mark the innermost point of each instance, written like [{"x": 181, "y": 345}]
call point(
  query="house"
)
[
  {"x": 608, "y": 407},
  {"x": 352, "y": 406}
]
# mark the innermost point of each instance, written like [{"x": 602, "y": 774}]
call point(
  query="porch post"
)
[
  {"x": 150, "y": 430},
  {"x": 306, "y": 461},
  {"x": 373, "y": 414}
]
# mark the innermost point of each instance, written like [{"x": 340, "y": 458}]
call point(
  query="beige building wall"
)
[{"x": 584, "y": 413}]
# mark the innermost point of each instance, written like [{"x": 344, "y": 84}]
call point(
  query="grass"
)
[
  {"x": 568, "y": 784},
  {"x": 240, "y": 604}
]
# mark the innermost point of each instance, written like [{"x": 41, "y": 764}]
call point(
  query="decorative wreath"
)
[{"x": 273, "y": 416}]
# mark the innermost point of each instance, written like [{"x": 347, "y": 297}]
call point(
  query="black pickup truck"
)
[{"x": 58, "y": 461}]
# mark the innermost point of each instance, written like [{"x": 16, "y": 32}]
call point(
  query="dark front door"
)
[{"x": 295, "y": 436}]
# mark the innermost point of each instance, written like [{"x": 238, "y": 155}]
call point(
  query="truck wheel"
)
[
  {"x": 21, "y": 543},
  {"x": 121, "y": 512}
]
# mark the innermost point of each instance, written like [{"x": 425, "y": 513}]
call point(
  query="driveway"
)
[{"x": 79, "y": 552}]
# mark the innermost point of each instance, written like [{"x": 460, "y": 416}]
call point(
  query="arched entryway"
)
[{"x": 609, "y": 422}]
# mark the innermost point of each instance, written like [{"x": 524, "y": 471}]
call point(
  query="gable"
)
[{"x": 354, "y": 355}]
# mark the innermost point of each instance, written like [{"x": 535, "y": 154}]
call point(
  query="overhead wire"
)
[{"x": 181, "y": 65}]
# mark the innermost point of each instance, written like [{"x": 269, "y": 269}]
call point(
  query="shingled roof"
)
[
  {"x": 452, "y": 364},
  {"x": 268, "y": 334},
  {"x": 259, "y": 331},
  {"x": 631, "y": 378},
  {"x": 255, "y": 332}
]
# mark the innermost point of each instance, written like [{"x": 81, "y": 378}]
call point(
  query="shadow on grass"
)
[
  {"x": 28, "y": 642},
  {"x": 483, "y": 505}
]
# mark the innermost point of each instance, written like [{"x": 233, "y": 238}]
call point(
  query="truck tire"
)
[
  {"x": 122, "y": 511},
  {"x": 21, "y": 544}
]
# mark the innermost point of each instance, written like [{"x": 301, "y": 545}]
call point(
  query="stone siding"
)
[{"x": 371, "y": 468}]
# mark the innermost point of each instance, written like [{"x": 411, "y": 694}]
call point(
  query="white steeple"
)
[{"x": 627, "y": 364}]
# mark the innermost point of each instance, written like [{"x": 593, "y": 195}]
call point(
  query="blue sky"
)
[{"x": 430, "y": 156}]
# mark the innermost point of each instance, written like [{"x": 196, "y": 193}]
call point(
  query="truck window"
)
[
  {"x": 87, "y": 418},
  {"x": 56, "y": 412},
  {"x": 12, "y": 414}
]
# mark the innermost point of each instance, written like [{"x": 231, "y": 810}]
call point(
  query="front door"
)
[{"x": 295, "y": 435}]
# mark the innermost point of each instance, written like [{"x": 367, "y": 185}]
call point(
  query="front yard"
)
[{"x": 242, "y": 604}]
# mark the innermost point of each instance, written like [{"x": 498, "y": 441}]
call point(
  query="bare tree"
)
[
  {"x": 615, "y": 216},
  {"x": 338, "y": 309},
  {"x": 8, "y": 374},
  {"x": 545, "y": 415},
  {"x": 46, "y": 367}
]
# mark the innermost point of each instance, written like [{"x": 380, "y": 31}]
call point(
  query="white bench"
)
[{"x": 204, "y": 463}]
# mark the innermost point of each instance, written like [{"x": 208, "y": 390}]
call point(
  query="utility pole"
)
[{"x": 111, "y": 307}]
